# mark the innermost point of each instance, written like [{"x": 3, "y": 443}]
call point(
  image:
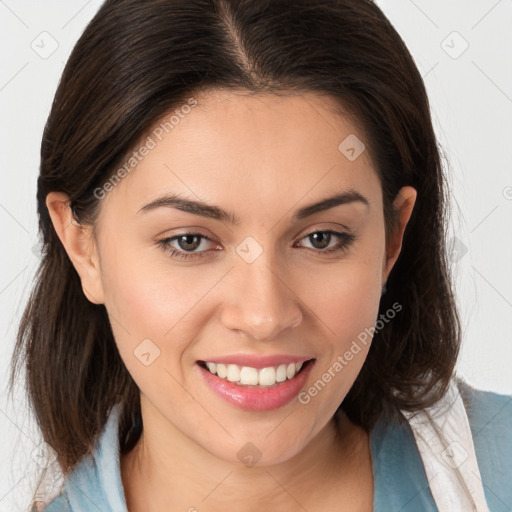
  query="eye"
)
[
  {"x": 322, "y": 239},
  {"x": 186, "y": 244}
]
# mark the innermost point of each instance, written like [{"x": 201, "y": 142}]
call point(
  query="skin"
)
[{"x": 261, "y": 157}]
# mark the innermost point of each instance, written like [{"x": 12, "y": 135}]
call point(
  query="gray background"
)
[{"x": 463, "y": 50}]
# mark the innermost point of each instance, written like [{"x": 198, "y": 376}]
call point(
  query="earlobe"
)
[
  {"x": 404, "y": 204},
  {"x": 79, "y": 244}
]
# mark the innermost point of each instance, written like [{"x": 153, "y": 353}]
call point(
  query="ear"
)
[
  {"x": 79, "y": 243},
  {"x": 403, "y": 204}
]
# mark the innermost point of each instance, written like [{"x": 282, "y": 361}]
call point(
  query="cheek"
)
[
  {"x": 141, "y": 303},
  {"x": 146, "y": 293},
  {"x": 347, "y": 298},
  {"x": 346, "y": 307},
  {"x": 146, "y": 316},
  {"x": 149, "y": 299}
]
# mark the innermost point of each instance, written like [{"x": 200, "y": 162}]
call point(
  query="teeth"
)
[
  {"x": 247, "y": 376},
  {"x": 233, "y": 374},
  {"x": 222, "y": 371},
  {"x": 281, "y": 373},
  {"x": 267, "y": 376}
]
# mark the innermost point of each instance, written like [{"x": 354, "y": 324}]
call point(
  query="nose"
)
[{"x": 261, "y": 302}]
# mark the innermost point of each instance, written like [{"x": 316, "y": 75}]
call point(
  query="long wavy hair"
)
[{"x": 137, "y": 61}]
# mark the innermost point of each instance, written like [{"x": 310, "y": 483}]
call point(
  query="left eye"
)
[{"x": 189, "y": 242}]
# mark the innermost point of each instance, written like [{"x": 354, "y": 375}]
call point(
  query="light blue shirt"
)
[{"x": 400, "y": 482}]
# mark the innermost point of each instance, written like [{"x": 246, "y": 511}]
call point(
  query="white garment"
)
[{"x": 445, "y": 443}]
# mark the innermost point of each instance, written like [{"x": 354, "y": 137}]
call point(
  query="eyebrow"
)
[{"x": 217, "y": 213}]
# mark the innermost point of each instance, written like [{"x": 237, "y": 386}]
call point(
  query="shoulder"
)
[
  {"x": 490, "y": 420},
  {"x": 95, "y": 482},
  {"x": 487, "y": 411},
  {"x": 400, "y": 482},
  {"x": 400, "y": 478}
]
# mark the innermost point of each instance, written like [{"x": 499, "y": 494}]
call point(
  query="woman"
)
[{"x": 244, "y": 301}]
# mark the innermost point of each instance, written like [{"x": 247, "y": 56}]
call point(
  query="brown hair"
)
[{"x": 135, "y": 62}]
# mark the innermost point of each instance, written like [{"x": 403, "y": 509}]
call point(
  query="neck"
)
[{"x": 177, "y": 474}]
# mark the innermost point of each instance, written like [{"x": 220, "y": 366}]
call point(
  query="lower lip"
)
[{"x": 257, "y": 398}]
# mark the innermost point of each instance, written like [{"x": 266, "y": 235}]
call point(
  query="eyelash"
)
[{"x": 346, "y": 239}]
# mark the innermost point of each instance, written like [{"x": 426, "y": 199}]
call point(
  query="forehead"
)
[{"x": 258, "y": 152}]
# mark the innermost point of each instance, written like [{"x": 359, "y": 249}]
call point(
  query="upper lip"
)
[{"x": 255, "y": 361}]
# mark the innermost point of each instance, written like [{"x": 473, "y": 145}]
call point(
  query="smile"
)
[
  {"x": 248, "y": 376},
  {"x": 256, "y": 389}
]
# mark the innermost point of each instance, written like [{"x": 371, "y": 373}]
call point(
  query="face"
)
[{"x": 283, "y": 284}]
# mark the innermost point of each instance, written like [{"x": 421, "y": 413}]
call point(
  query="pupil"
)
[
  {"x": 322, "y": 235},
  {"x": 187, "y": 238}
]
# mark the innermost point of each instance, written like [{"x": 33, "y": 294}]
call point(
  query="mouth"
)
[
  {"x": 247, "y": 376},
  {"x": 256, "y": 389}
]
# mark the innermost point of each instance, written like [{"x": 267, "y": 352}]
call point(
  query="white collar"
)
[{"x": 445, "y": 443}]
